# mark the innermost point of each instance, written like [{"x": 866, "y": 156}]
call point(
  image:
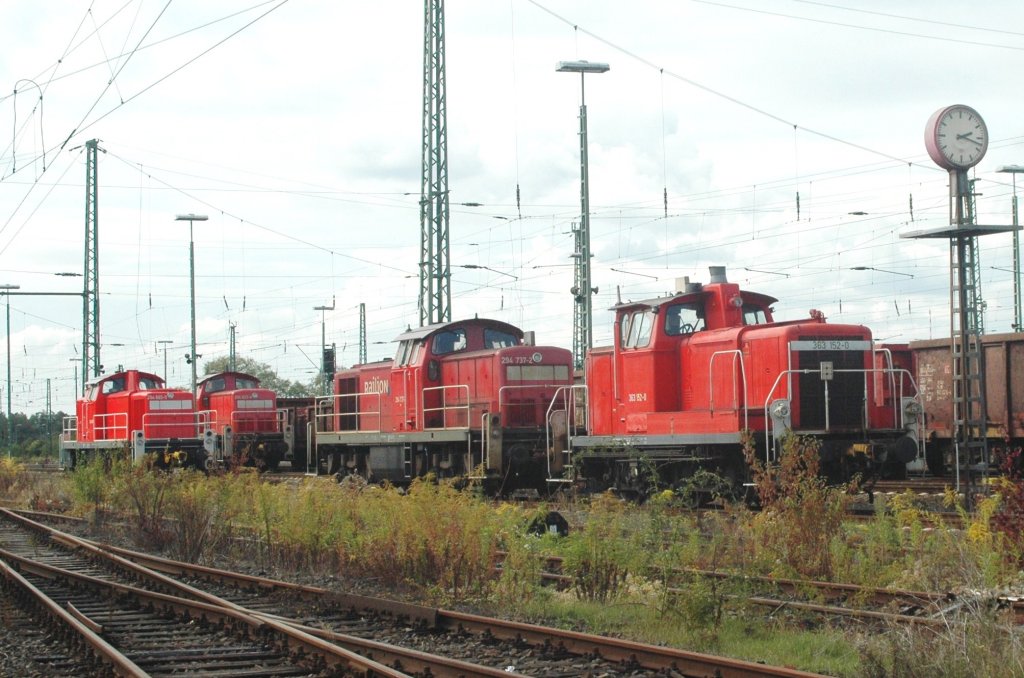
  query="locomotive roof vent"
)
[
  {"x": 717, "y": 274},
  {"x": 529, "y": 338},
  {"x": 684, "y": 286}
]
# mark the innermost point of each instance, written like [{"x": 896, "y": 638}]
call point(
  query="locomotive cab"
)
[
  {"x": 467, "y": 398},
  {"x": 249, "y": 427},
  {"x": 134, "y": 412}
]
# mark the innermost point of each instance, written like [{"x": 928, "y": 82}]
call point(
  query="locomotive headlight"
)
[{"x": 780, "y": 409}]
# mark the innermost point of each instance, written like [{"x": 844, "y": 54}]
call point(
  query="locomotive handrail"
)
[
  {"x": 334, "y": 410},
  {"x": 170, "y": 424},
  {"x": 69, "y": 429},
  {"x": 253, "y": 420},
  {"x": 770, "y": 423},
  {"x": 113, "y": 426},
  {"x": 485, "y": 440},
  {"x": 735, "y": 353},
  {"x": 501, "y": 393},
  {"x": 564, "y": 392},
  {"x": 445, "y": 409}
]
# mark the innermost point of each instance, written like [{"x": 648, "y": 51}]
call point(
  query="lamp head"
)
[{"x": 582, "y": 67}]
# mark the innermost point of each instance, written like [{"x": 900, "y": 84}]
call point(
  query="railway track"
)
[
  {"x": 418, "y": 639},
  {"x": 917, "y": 608}
]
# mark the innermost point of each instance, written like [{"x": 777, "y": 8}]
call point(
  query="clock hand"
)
[
  {"x": 964, "y": 136},
  {"x": 974, "y": 141}
]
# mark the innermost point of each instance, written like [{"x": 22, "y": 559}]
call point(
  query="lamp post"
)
[
  {"x": 880, "y": 270},
  {"x": 165, "y": 342},
  {"x": 323, "y": 344},
  {"x": 192, "y": 287},
  {"x": 75, "y": 361},
  {"x": 1014, "y": 170},
  {"x": 10, "y": 428},
  {"x": 583, "y": 290}
]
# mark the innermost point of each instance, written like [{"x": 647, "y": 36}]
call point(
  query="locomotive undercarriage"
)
[
  {"x": 165, "y": 453},
  {"x": 711, "y": 469},
  {"x": 517, "y": 463},
  {"x": 639, "y": 472},
  {"x": 264, "y": 451}
]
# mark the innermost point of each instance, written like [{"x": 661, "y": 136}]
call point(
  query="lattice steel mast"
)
[
  {"x": 435, "y": 262},
  {"x": 91, "y": 288}
]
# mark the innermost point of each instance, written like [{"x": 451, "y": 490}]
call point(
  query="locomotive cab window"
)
[
  {"x": 624, "y": 323},
  {"x": 640, "y": 329},
  {"x": 113, "y": 386},
  {"x": 548, "y": 374},
  {"x": 682, "y": 319},
  {"x": 754, "y": 315},
  {"x": 215, "y": 385},
  {"x": 498, "y": 339},
  {"x": 147, "y": 384},
  {"x": 449, "y": 341},
  {"x": 404, "y": 352},
  {"x": 245, "y": 383}
]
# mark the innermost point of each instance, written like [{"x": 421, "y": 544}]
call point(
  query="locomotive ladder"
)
[{"x": 969, "y": 411}]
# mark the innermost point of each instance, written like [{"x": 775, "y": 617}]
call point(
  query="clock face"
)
[{"x": 956, "y": 137}]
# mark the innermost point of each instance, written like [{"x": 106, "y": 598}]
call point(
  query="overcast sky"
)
[{"x": 296, "y": 126}]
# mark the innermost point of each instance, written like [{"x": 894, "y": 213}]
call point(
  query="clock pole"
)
[{"x": 956, "y": 138}]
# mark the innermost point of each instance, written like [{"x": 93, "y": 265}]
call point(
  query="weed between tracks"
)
[{"x": 623, "y": 561}]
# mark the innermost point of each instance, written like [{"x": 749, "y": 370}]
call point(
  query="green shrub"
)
[
  {"x": 91, "y": 484},
  {"x": 609, "y": 547},
  {"x": 800, "y": 514}
]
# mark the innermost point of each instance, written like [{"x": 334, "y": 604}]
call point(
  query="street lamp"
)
[
  {"x": 1014, "y": 170},
  {"x": 192, "y": 287},
  {"x": 880, "y": 270},
  {"x": 10, "y": 440},
  {"x": 165, "y": 342},
  {"x": 583, "y": 290},
  {"x": 323, "y": 344},
  {"x": 75, "y": 361},
  {"x": 486, "y": 268}
]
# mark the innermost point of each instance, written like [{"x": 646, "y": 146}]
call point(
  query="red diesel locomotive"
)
[
  {"x": 688, "y": 374},
  {"x": 133, "y": 412},
  {"x": 471, "y": 398},
  {"x": 249, "y": 427}
]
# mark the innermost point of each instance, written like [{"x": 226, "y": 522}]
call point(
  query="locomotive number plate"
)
[
  {"x": 830, "y": 345},
  {"x": 520, "y": 359}
]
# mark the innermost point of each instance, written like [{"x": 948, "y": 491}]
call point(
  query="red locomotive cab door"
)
[
  {"x": 432, "y": 396},
  {"x": 86, "y": 430},
  {"x": 404, "y": 390}
]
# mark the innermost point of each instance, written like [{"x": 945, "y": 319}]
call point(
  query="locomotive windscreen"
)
[{"x": 845, "y": 389}]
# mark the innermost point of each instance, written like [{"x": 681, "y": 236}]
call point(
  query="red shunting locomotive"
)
[
  {"x": 133, "y": 411},
  {"x": 688, "y": 374},
  {"x": 249, "y": 427},
  {"x": 470, "y": 398}
]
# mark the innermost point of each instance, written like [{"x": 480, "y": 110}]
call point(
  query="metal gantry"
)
[
  {"x": 435, "y": 261},
  {"x": 362, "y": 333},
  {"x": 582, "y": 290},
  {"x": 91, "y": 289}
]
